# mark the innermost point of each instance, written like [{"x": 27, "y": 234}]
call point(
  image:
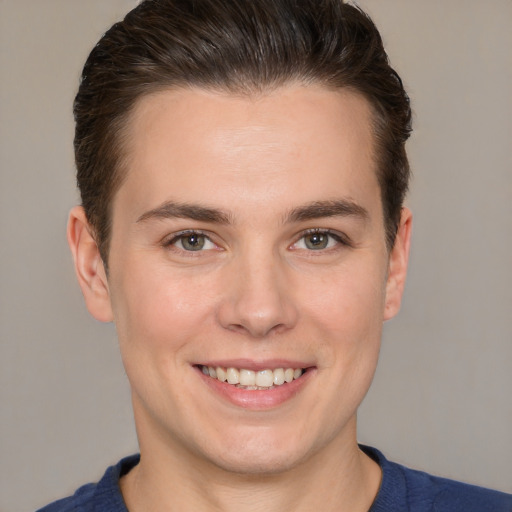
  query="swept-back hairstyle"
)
[{"x": 238, "y": 46}]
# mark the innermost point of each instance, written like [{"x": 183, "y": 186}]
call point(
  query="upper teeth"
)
[{"x": 260, "y": 379}]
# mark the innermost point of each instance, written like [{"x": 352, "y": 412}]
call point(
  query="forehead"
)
[{"x": 293, "y": 144}]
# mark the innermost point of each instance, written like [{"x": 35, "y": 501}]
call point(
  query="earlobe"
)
[
  {"x": 89, "y": 266},
  {"x": 398, "y": 261}
]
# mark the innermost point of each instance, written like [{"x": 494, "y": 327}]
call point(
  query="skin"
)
[{"x": 256, "y": 293}]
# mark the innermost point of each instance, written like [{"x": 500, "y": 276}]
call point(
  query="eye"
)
[
  {"x": 318, "y": 240},
  {"x": 192, "y": 241}
]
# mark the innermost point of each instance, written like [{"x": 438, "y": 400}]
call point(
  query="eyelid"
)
[
  {"x": 170, "y": 240},
  {"x": 341, "y": 238}
]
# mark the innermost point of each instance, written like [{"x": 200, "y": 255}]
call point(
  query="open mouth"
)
[{"x": 253, "y": 380}]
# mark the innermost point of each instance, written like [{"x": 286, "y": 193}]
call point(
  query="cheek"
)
[
  {"x": 347, "y": 301},
  {"x": 347, "y": 322},
  {"x": 159, "y": 318},
  {"x": 160, "y": 309}
]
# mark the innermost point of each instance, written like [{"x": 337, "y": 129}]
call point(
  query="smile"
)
[{"x": 253, "y": 380}]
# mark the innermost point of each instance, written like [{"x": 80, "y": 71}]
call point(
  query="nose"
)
[{"x": 257, "y": 297}]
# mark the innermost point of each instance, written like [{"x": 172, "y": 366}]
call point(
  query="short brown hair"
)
[{"x": 239, "y": 46}]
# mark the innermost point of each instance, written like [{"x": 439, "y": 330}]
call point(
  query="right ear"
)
[{"x": 89, "y": 266}]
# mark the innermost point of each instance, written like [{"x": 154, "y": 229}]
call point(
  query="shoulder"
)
[
  {"x": 405, "y": 489},
  {"x": 78, "y": 501},
  {"x": 450, "y": 495},
  {"x": 104, "y": 496}
]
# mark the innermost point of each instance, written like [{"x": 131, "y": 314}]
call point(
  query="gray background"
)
[{"x": 441, "y": 398}]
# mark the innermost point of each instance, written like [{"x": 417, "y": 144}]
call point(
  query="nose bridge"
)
[{"x": 256, "y": 299}]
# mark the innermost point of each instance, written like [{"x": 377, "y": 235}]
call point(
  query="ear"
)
[
  {"x": 89, "y": 267},
  {"x": 397, "y": 270}
]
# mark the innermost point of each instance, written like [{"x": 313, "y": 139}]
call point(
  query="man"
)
[{"x": 242, "y": 171}]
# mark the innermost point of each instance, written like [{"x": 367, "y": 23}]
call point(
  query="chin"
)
[
  {"x": 262, "y": 465},
  {"x": 259, "y": 455}
]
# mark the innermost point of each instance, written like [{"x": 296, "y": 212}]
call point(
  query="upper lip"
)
[{"x": 256, "y": 364}]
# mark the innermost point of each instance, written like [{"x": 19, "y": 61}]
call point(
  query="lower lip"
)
[{"x": 257, "y": 400}]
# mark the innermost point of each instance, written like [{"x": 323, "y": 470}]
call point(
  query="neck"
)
[{"x": 339, "y": 476}]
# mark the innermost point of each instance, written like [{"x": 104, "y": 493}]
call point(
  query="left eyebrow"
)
[
  {"x": 171, "y": 209},
  {"x": 322, "y": 209}
]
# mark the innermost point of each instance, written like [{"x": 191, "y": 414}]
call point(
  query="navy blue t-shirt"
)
[{"x": 401, "y": 490}]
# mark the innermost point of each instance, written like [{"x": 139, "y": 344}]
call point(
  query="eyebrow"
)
[
  {"x": 310, "y": 211},
  {"x": 322, "y": 209},
  {"x": 171, "y": 209}
]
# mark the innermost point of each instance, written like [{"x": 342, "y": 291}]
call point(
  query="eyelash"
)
[
  {"x": 176, "y": 237},
  {"x": 170, "y": 243},
  {"x": 338, "y": 237}
]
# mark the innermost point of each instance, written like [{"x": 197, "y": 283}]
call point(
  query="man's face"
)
[{"x": 249, "y": 235}]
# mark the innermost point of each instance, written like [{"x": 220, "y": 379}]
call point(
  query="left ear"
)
[
  {"x": 397, "y": 270},
  {"x": 89, "y": 267}
]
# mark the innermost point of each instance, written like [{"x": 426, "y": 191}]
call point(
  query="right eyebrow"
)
[
  {"x": 333, "y": 208},
  {"x": 171, "y": 209}
]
